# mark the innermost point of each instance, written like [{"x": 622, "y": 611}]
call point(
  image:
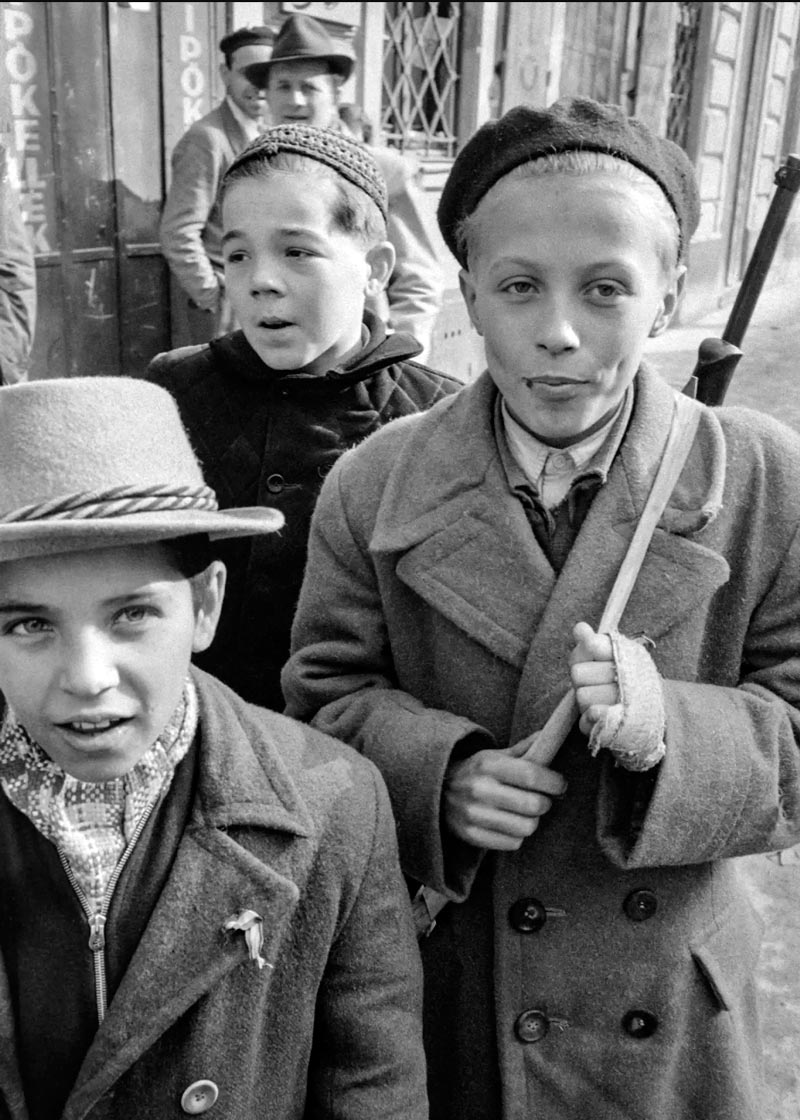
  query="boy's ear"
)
[
  {"x": 380, "y": 259},
  {"x": 208, "y": 591},
  {"x": 467, "y": 285},
  {"x": 669, "y": 302}
]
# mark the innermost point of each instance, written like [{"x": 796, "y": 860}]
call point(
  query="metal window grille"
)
[
  {"x": 686, "y": 36},
  {"x": 420, "y": 77}
]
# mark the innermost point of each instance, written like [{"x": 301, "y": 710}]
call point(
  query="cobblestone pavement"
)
[{"x": 768, "y": 379}]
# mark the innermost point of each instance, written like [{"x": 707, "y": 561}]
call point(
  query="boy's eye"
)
[
  {"x": 519, "y": 287},
  {"x": 29, "y": 628},
  {"x": 297, "y": 253},
  {"x": 135, "y": 614},
  {"x": 235, "y": 256},
  {"x": 606, "y": 291}
]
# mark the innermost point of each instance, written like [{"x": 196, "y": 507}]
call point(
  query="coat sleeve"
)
[
  {"x": 341, "y": 678},
  {"x": 196, "y": 174},
  {"x": 367, "y": 1059},
  {"x": 729, "y": 783},
  {"x": 415, "y": 286},
  {"x": 17, "y": 286}
]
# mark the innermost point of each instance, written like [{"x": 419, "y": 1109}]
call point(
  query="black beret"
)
[
  {"x": 246, "y": 37},
  {"x": 571, "y": 124},
  {"x": 345, "y": 155}
]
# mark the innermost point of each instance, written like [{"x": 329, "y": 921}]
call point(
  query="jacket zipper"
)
[{"x": 97, "y": 918}]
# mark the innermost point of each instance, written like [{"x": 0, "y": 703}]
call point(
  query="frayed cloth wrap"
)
[{"x": 633, "y": 730}]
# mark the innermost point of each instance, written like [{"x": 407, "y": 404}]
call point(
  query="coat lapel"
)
[
  {"x": 466, "y": 545},
  {"x": 184, "y": 951}
]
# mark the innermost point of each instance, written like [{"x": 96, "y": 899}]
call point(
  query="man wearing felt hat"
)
[
  {"x": 202, "y": 906},
  {"x": 190, "y": 229},
  {"x": 301, "y": 79},
  {"x": 596, "y": 956}
]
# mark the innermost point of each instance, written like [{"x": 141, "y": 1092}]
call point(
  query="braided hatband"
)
[{"x": 116, "y": 502}]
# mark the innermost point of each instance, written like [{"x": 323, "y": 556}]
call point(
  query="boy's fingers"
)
[
  {"x": 585, "y": 673},
  {"x": 589, "y": 645},
  {"x": 601, "y": 696}
]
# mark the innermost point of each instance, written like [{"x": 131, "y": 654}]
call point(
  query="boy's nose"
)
[
  {"x": 264, "y": 278},
  {"x": 555, "y": 333},
  {"x": 88, "y": 668},
  {"x": 298, "y": 97}
]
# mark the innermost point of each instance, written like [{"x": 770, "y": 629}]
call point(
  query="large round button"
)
[
  {"x": 199, "y": 1097},
  {"x": 639, "y": 1023},
  {"x": 527, "y": 915},
  {"x": 531, "y": 1026},
  {"x": 275, "y": 483},
  {"x": 640, "y": 905}
]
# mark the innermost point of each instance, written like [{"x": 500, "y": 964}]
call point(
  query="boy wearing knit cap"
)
[
  {"x": 202, "y": 907},
  {"x": 272, "y": 406},
  {"x": 597, "y": 956}
]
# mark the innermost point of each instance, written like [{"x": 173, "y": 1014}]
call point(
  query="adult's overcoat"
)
[
  {"x": 298, "y": 829},
  {"x": 606, "y": 969}
]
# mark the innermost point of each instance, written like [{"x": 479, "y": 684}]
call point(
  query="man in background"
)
[
  {"x": 190, "y": 224},
  {"x": 302, "y": 79},
  {"x": 17, "y": 285}
]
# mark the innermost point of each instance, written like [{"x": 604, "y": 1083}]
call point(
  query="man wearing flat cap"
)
[
  {"x": 302, "y": 79},
  {"x": 191, "y": 230}
]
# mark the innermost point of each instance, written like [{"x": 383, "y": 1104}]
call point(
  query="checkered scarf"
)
[{"x": 91, "y": 823}]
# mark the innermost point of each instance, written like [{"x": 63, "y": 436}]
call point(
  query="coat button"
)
[
  {"x": 531, "y": 1026},
  {"x": 199, "y": 1097},
  {"x": 639, "y": 1024},
  {"x": 528, "y": 915},
  {"x": 275, "y": 483},
  {"x": 640, "y": 905}
]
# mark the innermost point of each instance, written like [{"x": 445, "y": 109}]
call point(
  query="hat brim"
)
[
  {"x": 257, "y": 73},
  {"x": 27, "y": 539}
]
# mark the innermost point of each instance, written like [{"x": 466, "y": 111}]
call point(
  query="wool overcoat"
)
[
  {"x": 299, "y": 829},
  {"x": 268, "y": 437},
  {"x": 606, "y": 969}
]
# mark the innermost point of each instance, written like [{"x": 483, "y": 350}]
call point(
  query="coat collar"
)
[
  {"x": 466, "y": 547},
  {"x": 237, "y": 357},
  {"x": 184, "y": 952}
]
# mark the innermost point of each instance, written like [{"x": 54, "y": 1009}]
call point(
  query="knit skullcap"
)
[
  {"x": 344, "y": 155},
  {"x": 571, "y": 124}
]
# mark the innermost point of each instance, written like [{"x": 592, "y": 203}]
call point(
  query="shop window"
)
[
  {"x": 420, "y": 77},
  {"x": 686, "y": 35}
]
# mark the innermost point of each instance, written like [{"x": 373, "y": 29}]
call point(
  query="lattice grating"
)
[
  {"x": 420, "y": 76},
  {"x": 686, "y": 36}
]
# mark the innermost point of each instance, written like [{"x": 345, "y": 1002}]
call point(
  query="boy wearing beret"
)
[
  {"x": 202, "y": 908},
  {"x": 270, "y": 407},
  {"x": 597, "y": 957}
]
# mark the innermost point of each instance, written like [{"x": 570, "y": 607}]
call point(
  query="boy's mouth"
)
[
  {"x": 274, "y": 324},
  {"x": 92, "y": 726}
]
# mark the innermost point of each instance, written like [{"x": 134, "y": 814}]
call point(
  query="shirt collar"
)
[
  {"x": 252, "y": 129},
  {"x": 550, "y": 471}
]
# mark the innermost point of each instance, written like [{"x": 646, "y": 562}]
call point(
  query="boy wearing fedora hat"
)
[
  {"x": 271, "y": 407},
  {"x": 597, "y": 957},
  {"x": 302, "y": 79},
  {"x": 201, "y": 901}
]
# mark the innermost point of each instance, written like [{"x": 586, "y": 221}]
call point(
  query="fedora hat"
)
[
  {"x": 94, "y": 462},
  {"x": 302, "y": 39}
]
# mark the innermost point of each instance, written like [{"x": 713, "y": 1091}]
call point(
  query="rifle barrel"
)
[{"x": 787, "y": 180}]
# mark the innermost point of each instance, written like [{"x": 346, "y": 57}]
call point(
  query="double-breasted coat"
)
[
  {"x": 606, "y": 969},
  {"x": 298, "y": 829}
]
